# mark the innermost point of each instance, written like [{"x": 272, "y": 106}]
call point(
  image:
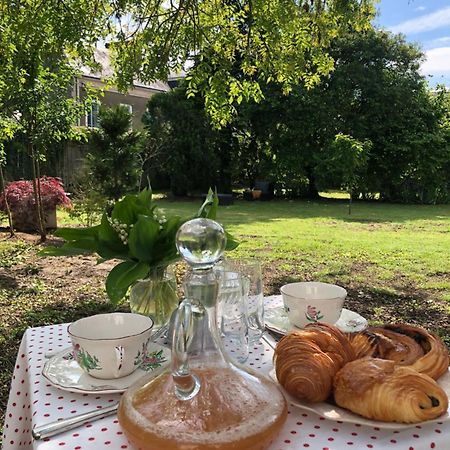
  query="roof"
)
[{"x": 101, "y": 56}]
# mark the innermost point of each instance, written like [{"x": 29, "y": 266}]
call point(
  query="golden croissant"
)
[
  {"x": 307, "y": 360},
  {"x": 406, "y": 345},
  {"x": 381, "y": 390}
]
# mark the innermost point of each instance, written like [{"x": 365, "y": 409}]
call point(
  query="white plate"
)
[
  {"x": 63, "y": 372},
  {"x": 334, "y": 412},
  {"x": 276, "y": 320}
]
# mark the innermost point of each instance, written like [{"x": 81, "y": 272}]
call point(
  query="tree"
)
[
  {"x": 113, "y": 160},
  {"x": 345, "y": 165},
  {"x": 42, "y": 41},
  {"x": 7, "y": 131},
  {"x": 185, "y": 146},
  {"x": 376, "y": 93},
  {"x": 235, "y": 47}
]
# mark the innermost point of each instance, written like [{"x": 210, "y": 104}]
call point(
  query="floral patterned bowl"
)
[
  {"x": 310, "y": 301},
  {"x": 110, "y": 346}
]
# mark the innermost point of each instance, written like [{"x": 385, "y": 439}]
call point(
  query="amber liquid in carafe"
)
[
  {"x": 229, "y": 413},
  {"x": 205, "y": 402}
]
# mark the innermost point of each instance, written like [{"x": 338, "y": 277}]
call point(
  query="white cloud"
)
[
  {"x": 437, "y": 61},
  {"x": 420, "y": 8},
  {"x": 438, "y": 42},
  {"x": 427, "y": 22}
]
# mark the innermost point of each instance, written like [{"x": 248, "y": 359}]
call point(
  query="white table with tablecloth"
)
[{"x": 34, "y": 401}]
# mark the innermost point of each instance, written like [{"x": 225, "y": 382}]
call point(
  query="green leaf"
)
[
  {"x": 145, "y": 196},
  {"x": 232, "y": 243},
  {"x": 72, "y": 234},
  {"x": 122, "y": 277},
  {"x": 125, "y": 210},
  {"x": 109, "y": 243},
  {"x": 128, "y": 209},
  {"x": 209, "y": 206},
  {"x": 165, "y": 251},
  {"x": 142, "y": 238},
  {"x": 68, "y": 249}
]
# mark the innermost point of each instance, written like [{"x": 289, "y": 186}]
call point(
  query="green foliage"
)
[
  {"x": 113, "y": 163},
  {"x": 8, "y": 129},
  {"x": 135, "y": 232},
  {"x": 376, "y": 93},
  {"x": 38, "y": 44},
  {"x": 88, "y": 206},
  {"x": 185, "y": 146},
  {"x": 346, "y": 163},
  {"x": 37, "y": 67},
  {"x": 238, "y": 46},
  {"x": 398, "y": 132}
]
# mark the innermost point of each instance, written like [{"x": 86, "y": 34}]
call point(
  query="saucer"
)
[
  {"x": 63, "y": 372},
  {"x": 276, "y": 320}
]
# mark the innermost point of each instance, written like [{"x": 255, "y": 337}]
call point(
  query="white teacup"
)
[
  {"x": 111, "y": 345},
  {"x": 310, "y": 301}
]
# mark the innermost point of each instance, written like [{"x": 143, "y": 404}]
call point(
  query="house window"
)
[
  {"x": 92, "y": 116},
  {"x": 128, "y": 107}
]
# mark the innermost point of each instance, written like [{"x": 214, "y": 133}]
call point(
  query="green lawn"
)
[
  {"x": 391, "y": 248},
  {"x": 394, "y": 247},
  {"x": 394, "y": 261}
]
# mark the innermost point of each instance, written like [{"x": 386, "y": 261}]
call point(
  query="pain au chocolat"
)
[
  {"x": 382, "y": 390},
  {"x": 406, "y": 345}
]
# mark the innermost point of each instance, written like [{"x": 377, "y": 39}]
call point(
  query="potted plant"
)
[
  {"x": 142, "y": 238},
  {"x": 20, "y": 198}
]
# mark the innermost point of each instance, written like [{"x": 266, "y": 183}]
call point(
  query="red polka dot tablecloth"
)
[{"x": 34, "y": 401}]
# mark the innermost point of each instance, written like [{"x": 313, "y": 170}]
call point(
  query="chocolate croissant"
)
[
  {"x": 378, "y": 342},
  {"x": 307, "y": 360},
  {"x": 381, "y": 390},
  {"x": 406, "y": 345}
]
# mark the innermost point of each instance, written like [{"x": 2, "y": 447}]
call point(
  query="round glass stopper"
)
[{"x": 201, "y": 242}]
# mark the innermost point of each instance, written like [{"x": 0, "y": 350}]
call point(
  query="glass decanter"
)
[{"x": 205, "y": 401}]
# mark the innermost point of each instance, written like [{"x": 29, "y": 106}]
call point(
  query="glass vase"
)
[{"x": 155, "y": 296}]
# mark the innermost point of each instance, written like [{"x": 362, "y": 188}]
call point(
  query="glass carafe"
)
[{"x": 205, "y": 401}]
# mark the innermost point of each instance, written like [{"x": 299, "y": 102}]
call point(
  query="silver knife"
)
[
  {"x": 60, "y": 426},
  {"x": 269, "y": 339}
]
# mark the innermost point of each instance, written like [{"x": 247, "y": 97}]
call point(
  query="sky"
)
[{"x": 426, "y": 22}]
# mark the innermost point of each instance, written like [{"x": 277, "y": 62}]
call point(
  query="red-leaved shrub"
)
[{"x": 20, "y": 195}]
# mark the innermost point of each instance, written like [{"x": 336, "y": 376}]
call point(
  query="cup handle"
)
[{"x": 120, "y": 354}]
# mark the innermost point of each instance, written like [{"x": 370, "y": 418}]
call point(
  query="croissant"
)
[
  {"x": 381, "y": 390},
  {"x": 407, "y": 345},
  {"x": 307, "y": 360}
]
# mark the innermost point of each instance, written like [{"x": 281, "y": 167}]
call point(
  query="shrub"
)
[
  {"x": 21, "y": 200},
  {"x": 20, "y": 194},
  {"x": 113, "y": 159}
]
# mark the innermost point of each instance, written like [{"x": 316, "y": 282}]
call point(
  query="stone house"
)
[{"x": 135, "y": 100}]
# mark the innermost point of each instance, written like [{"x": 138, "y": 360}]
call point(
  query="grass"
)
[
  {"x": 393, "y": 246},
  {"x": 393, "y": 260}
]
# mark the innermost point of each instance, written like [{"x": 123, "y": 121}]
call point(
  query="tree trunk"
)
[
  {"x": 36, "y": 191},
  {"x": 8, "y": 209},
  {"x": 312, "y": 193}
]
